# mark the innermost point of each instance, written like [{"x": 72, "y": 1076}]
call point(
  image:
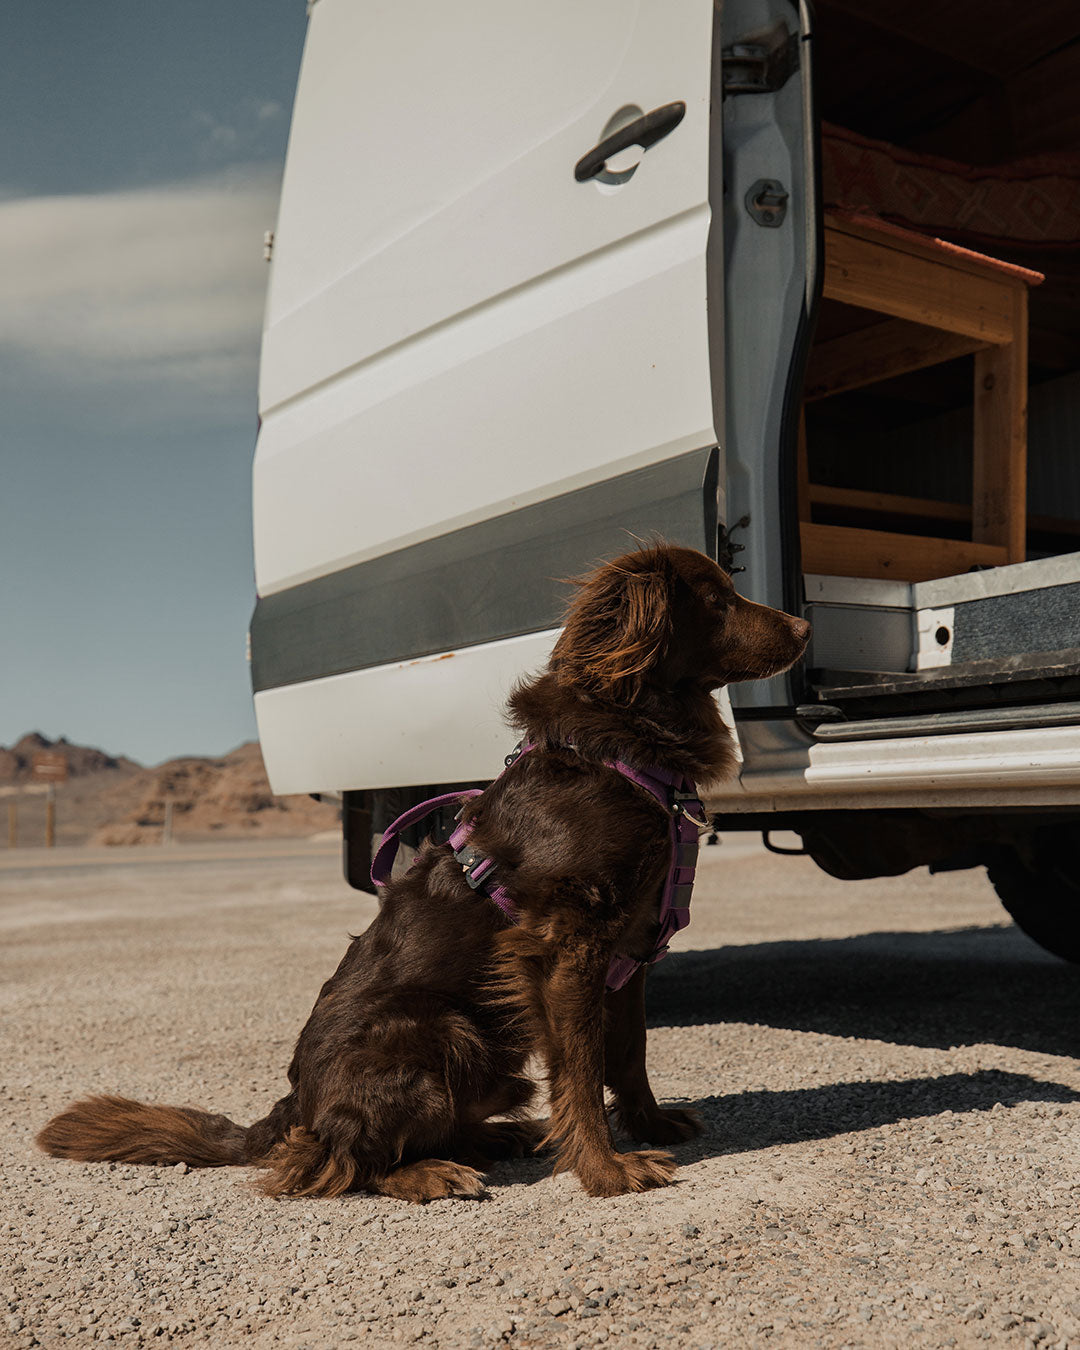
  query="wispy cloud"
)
[
  {"x": 216, "y": 135},
  {"x": 164, "y": 283},
  {"x": 242, "y": 131}
]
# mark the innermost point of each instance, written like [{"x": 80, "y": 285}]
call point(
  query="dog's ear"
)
[{"x": 617, "y": 627}]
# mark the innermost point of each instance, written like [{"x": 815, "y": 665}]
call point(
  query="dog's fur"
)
[{"x": 423, "y": 1033}]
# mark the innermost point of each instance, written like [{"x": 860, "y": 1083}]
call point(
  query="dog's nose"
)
[{"x": 801, "y": 629}]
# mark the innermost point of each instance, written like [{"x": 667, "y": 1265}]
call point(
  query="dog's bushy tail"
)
[{"x": 116, "y": 1129}]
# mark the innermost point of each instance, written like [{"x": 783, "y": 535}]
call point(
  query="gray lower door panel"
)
[{"x": 497, "y": 579}]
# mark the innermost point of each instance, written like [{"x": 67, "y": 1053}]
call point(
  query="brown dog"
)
[{"x": 423, "y": 1033}]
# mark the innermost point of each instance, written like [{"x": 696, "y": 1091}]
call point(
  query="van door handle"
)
[{"x": 644, "y": 131}]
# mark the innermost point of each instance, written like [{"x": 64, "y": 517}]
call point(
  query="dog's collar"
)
[{"x": 675, "y": 792}]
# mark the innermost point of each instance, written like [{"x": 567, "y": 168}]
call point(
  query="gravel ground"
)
[{"x": 885, "y": 1070}]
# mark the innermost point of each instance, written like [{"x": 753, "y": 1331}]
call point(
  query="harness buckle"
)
[
  {"x": 474, "y": 866},
  {"x": 514, "y": 754},
  {"x": 680, "y": 802}
]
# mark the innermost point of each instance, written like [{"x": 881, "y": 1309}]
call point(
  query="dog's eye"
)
[{"x": 713, "y": 598}]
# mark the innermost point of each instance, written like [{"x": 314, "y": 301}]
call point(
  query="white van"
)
[{"x": 546, "y": 280}]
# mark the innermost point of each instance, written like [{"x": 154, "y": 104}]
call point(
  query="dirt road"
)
[{"x": 886, "y": 1072}]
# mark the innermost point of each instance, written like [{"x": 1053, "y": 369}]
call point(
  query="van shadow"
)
[{"x": 938, "y": 989}]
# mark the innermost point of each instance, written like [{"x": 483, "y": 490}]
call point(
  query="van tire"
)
[{"x": 1040, "y": 888}]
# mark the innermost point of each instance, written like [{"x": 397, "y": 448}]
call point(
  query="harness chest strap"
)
[{"x": 674, "y": 792}]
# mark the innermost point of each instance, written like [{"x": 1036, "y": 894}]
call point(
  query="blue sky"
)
[{"x": 139, "y": 168}]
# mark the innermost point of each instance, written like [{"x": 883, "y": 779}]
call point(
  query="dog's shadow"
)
[
  {"x": 940, "y": 989},
  {"x": 745, "y": 1122}
]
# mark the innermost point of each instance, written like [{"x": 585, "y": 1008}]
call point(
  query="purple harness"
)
[{"x": 675, "y": 793}]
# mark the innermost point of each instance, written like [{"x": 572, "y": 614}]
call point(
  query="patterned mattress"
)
[{"x": 1028, "y": 204}]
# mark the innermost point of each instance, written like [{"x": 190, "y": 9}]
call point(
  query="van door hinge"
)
[
  {"x": 760, "y": 65},
  {"x": 726, "y": 548}
]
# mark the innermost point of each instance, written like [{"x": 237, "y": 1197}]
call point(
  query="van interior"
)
[{"x": 939, "y": 446}]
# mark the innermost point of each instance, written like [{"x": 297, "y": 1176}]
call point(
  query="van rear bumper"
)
[{"x": 1027, "y": 766}]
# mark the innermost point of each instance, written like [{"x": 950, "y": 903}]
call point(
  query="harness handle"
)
[{"x": 384, "y": 858}]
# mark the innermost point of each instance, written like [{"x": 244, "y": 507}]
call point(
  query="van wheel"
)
[{"x": 1039, "y": 885}]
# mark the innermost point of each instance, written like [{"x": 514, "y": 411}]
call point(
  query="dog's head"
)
[{"x": 665, "y": 616}]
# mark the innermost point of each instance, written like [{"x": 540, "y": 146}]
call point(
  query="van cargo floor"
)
[
  {"x": 992, "y": 636},
  {"x": 1006, "y": 670}
]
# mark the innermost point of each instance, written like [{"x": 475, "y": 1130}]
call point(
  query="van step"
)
[{"x": 944, "y": 723}]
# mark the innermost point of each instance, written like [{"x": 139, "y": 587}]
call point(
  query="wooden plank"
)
[
  {"x": 954, "y": 256},
  {"x": 888, "y": 503},
  {"x": 896, "y": 347},
  {"x": 892, "y": 504},
  {"x": 837, "y": 551},
  {"x": 876, "y": 275},
  {"x": 999, "y": 485}
]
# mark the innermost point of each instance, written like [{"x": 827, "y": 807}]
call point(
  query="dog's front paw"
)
[
  {"x": 666, "y": 1127},
  {"x": 624, "y": 1173}
]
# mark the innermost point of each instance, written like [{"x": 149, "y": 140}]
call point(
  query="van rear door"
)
[{"x": 480, "y": 369}]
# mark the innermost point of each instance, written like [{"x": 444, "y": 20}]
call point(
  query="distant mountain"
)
[
  {"x": 109, "y": 799},
  {"x": 16, "y": 763}
]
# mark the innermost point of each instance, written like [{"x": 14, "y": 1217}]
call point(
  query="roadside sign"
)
[{"x": 49, "y": 766}]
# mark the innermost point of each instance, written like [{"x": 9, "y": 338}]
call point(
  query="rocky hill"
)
[
  {"x": 112, "y": 800},
  {"x": 16, "y": 763}
]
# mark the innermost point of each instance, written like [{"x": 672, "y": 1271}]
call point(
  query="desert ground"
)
[{"x": 886, "y": 1072}]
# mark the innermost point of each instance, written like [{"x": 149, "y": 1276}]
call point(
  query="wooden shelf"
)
[
  {"x": 941, "y": 302},
  {"x": 888, "y": 503},
  {"x": 840, "y": 551},
  {"x": 907, "y": 277},
  {"x": 881, "y": 352},
  {"x": 920, "y": 508}
]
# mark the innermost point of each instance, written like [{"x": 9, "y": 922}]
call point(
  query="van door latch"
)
[
  {"x": 766, "y": 201},
  {"x": 760, "y": 66}
]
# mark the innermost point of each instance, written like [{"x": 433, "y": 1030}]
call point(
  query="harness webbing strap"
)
[
  {"x": 678, "y": 796},
  {"x": 675, "y": 793},
  {"x": 383, "y": 860}
]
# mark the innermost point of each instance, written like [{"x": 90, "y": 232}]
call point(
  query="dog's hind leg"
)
[
  {"x": 636, "y": 1109},
  {"x": 360, "y": 1137},
  {"x": 366, "y": 1136},
  {"x": 430, "y": 1179},
  {"x": 380, "y": 1099}
]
